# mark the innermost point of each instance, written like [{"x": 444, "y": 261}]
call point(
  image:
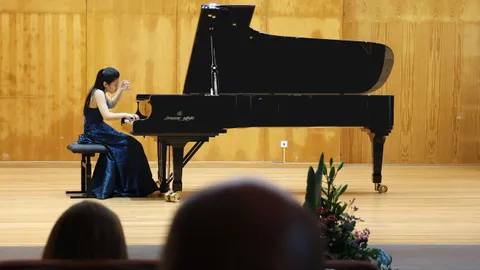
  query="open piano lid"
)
[{"x": 250, "y": 62}]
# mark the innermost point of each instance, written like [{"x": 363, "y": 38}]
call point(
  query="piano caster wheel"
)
[
  {"x": 167, "y": 195},
  {"x": 381, "y": 188},
  {"x": 157, "y": 183},
  {"x": 172, "y": 196}
]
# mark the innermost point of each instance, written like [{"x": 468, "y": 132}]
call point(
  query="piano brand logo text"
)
[{"x": 179, "y": 117}]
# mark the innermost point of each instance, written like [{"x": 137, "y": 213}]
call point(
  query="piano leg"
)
[
  {"x": 178, "y": 163},
  {"x": 377, "y": 139},
  {"x": 162, "y": 165},
  {"x": 177, "y": 167},
  {"x": 189, "y": 156}
]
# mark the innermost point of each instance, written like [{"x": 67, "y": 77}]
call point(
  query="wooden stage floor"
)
[{"x": 424, "y": 204}]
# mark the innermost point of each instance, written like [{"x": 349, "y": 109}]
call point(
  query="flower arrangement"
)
[{"x": 337, "y": 219}]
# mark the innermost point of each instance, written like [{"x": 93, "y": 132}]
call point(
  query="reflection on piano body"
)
[{"x": 239, "y": 77}]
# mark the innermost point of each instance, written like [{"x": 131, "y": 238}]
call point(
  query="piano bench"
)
[{"x": 88, "y": 151}]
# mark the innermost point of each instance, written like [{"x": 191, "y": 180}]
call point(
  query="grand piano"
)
[{"x": 239, "y": 77}]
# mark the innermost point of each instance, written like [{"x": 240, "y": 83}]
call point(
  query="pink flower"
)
[
  {"x": 361, "y": 236},
  {"x": 324, "y": 222},
  {"x": 332, "y": 218},
  {"x": 322, "y": 210}
]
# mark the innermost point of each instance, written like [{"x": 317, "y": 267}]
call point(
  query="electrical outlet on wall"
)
[{"x": 283, "y": 144}]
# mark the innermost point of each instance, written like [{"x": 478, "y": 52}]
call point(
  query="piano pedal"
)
[
  {"x": 381, "y": 188},
  {"x": 172, "y": 196}
]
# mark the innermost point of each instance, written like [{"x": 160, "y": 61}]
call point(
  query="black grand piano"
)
[{"x": 239, "y": 77}]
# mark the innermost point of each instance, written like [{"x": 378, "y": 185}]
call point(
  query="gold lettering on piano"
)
[{"x": 179, "y": 117}]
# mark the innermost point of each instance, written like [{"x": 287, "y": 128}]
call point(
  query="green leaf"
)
[
  {"x": 341, "y": 210},
  {"x": 318, "y": 189},
  {"x": 331, "y": 162},
  {"x": 341, "y": 190},
  {"x": 335, "y": 198},
  {"x": 311, "y": 196},
  {"x": 340, "y": 166},
  {"x": 321, "y": 163},
  {"x": 324, "y": 170},
  {"x": 324, "y": 191},
  {"x": 332, "y": 174},
  {"x": 325, "y": 203}
]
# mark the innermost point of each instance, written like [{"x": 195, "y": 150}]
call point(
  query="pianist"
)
[{"x": 124, "y": 171}]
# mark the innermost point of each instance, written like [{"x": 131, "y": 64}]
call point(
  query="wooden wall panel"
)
[
  {"x": 311, "y": 19},
  {"x": 137, "y": 37},
  {"x": 435, "y": 80},
  {"x": 51, "y": 51},
  {"x": 42, "y": 77}
]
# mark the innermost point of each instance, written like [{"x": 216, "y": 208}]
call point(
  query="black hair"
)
[
  {"x": 255, "y": 226},
  {"x": 86, "y": 231},
  {"x": 107, "y": 75}
]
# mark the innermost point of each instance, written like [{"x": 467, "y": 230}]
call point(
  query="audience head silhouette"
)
[
  {"x": 244, "y": 224},
  {"x": 86, "y": 231}
]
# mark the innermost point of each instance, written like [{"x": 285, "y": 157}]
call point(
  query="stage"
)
[{"x": 423, "y": 205}]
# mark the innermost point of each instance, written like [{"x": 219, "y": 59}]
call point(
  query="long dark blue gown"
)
[{"x": 124, "y": 170}]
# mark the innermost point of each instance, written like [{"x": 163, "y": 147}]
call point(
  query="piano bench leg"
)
[{"x": 85, "y": 179}]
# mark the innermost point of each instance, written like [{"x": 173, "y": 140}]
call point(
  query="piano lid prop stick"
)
[{"x": 213, "y": 68}]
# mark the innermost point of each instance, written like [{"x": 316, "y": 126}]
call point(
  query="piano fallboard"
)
[{"x": 196, "y": 113}]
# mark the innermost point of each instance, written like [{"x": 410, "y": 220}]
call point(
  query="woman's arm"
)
[
  {"x": 125, "y": 85},
  {"x": 114, "y": 101},
  {"x": 106, "y": 113}
]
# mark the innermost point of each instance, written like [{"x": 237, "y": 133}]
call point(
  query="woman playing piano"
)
[{"x": 124, "y": 170}]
